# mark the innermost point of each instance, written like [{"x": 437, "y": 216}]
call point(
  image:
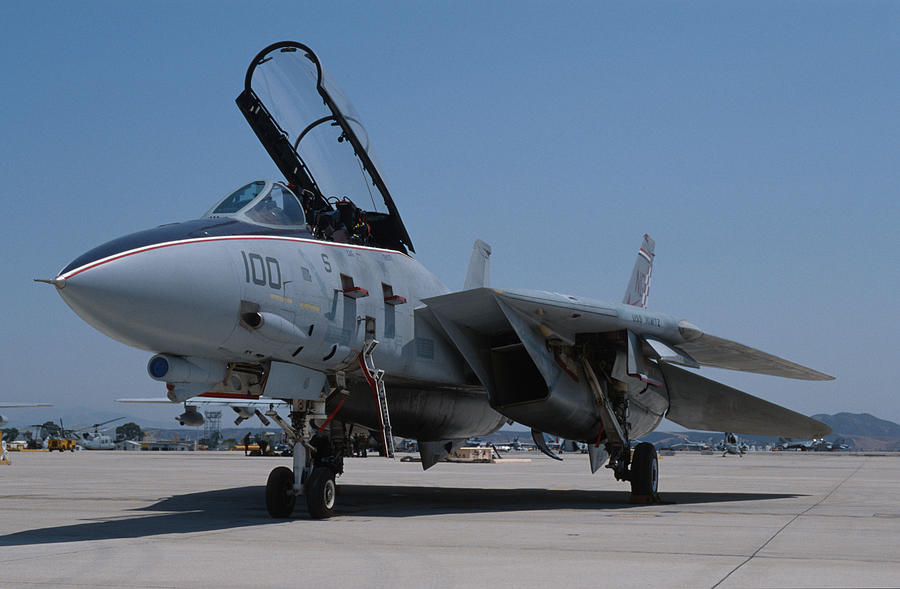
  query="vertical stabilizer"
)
[
  {"x": 639, "y": 285},
  {"x": 479, "y": 266}
]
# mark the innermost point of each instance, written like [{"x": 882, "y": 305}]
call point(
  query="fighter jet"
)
[{"x": 305, "y": 289}]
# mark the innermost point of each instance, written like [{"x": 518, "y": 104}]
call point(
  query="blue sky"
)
[{"x": 757, "y": 143}]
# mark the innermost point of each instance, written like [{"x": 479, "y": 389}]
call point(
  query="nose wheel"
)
[
  {"x": 321, "y": 493},
  {"x": 280, "y": 496},
  {"x": 317, "y": 460}
]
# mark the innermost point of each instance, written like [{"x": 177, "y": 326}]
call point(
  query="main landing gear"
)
[
  {"x": 317, "y": 462},
  {"x": 644, "y": 472},
  {"x": 640, "y": 467}
]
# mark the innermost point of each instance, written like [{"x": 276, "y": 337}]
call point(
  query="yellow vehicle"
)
[{"x": 60, "y": 444}]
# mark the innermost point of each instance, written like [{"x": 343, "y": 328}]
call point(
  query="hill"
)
[{"x": 859, "y": 424}]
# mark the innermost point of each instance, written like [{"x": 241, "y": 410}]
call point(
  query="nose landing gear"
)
[
  {"x": 321, "y": 493},
  {"x": 316, "y": 465}
]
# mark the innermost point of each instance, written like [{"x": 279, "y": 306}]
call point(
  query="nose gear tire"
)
[
  {"x": 321, "y": 493},
  {"x": 280, "y": 497}
]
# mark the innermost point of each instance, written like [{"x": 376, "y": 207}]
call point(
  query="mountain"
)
[{"x": 859, "y": 424}]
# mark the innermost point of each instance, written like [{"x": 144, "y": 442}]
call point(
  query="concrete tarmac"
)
[{"x": 197, "y": 519}]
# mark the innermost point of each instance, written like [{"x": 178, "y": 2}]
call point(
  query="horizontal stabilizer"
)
[
  {"x": 709, "y": 350},
  {"x": 699, "y": 403}
]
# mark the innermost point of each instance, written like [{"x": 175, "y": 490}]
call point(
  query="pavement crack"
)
[{"x": 784, "y": 527}]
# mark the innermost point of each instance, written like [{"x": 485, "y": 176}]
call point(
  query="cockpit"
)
[{"x": 270, "y": 204}]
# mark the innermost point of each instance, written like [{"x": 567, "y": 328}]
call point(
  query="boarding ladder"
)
[{"x": 375, "y": 378}]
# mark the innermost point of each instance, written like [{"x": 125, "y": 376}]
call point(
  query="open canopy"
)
[{"x": 318, "y": 142}]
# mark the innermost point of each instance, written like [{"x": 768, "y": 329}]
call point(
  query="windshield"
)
[
  {"x": 262, "y": 203},
  {"x": 239, "y": 198}
]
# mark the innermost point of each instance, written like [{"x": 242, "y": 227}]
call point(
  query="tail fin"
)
[
  {"x": 479, "y": 266},
  {"x": 639, "y": 285}
]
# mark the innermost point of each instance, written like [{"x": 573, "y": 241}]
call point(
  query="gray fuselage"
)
[{"x": 184, "y": 297}]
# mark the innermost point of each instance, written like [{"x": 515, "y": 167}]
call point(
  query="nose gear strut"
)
[{"x": 318, "y": 458}]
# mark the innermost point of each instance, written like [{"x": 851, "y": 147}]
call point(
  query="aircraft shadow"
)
[
  {"x": 409, "y": 501},
  {"x": 244, "y": 506}
]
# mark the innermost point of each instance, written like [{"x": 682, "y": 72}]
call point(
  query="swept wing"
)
[{"x": 511, "y": 338}]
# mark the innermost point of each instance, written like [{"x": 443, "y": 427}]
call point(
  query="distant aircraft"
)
[
  {"x": 94, "y": 438},
  {"x": 4, "y": 420},
  {"x": 292, "y": 290},
  {"x": 519, "y": 445},
  {"x": 688, "y": 445},
  {"x": 813, "y": 445},
  {"x": 245, "y": 407},
  {"x": 731, "y": 444}
]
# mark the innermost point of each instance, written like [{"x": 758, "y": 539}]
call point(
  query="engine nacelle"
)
[
  {"x": 173, "y": 369},
  {"x": 191, "y": 417}
]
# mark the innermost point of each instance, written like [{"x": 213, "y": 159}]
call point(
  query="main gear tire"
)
[
  {"x": 280, "y": 496},
  {"x": 644, "y": 470}
]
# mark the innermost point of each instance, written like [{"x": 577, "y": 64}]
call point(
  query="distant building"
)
[{"x": 169, "y": 445}]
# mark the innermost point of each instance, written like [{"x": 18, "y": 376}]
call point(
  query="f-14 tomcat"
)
[{"x": 299, "y": 290}]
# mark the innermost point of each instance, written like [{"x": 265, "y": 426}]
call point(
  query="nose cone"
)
[{"x": 180, "y": 298}]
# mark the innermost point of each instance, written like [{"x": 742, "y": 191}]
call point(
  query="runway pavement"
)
[{"x": 196, "y": 519}]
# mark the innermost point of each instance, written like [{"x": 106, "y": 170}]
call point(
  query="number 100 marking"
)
[{"x": 261, "y": 271}]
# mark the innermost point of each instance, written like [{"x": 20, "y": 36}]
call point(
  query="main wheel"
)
[
  {"x": 644, "y": 470},
  {"x": 280, "y": 497},
  {"x": 321, "y": 493}
]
